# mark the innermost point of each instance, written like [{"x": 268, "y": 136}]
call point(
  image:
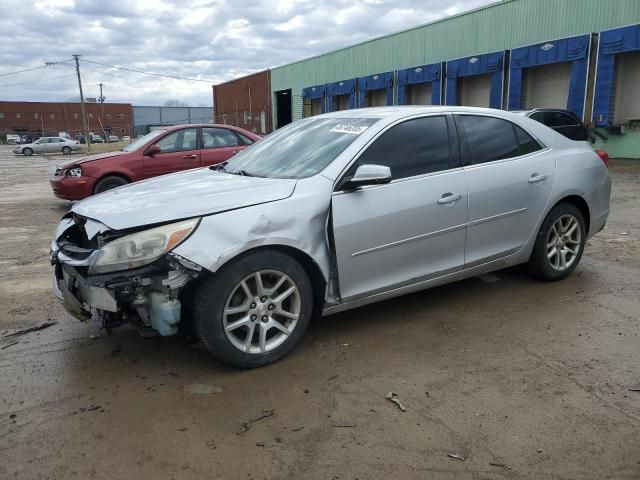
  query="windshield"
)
[
  {"x": 300, "y": 149},
  {"x": 141, "y": 141}
]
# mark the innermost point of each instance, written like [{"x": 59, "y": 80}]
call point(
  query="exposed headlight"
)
[
  {"x": 141, "y": 248},
  {"x": 74, "y": 172}
]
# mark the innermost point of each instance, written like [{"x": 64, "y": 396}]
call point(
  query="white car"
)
[
  {"x": 126, "y": 138},
  {"x": 48, "y": 145},
  {"x": 113, "y": 138}
]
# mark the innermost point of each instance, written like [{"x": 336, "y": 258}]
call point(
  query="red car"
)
[{"x": 162, "y": 151}]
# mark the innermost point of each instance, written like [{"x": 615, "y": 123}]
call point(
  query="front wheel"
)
[
  {"x": 559, "y": 244},
  {"x": 107, "y": 183},
  {"x": 254, "y": 311},
  {"x": 27, "y": 151},
  {"x": 66, "y": 150}
]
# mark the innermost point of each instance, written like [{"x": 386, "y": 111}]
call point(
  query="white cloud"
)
[{"x": 209, "y": 39}]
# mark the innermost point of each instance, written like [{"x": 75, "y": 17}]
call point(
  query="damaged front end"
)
[{"x": 122, "y": 276}]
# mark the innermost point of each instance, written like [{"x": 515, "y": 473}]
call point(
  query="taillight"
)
[{"x": 604, "y": 156}]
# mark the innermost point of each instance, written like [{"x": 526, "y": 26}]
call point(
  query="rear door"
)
[
  {"x": 509, "y": 177},
  {"x": 218, "y": 145},
  {"x": 412, "y": 229},
  {"x": 178, "y": 151}
]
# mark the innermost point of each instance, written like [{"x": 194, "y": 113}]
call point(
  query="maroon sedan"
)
[{"x": 162, "y": 151}]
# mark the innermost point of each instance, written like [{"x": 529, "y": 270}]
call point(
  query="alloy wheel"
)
[
  {"x": 262, "y": 311},
  {"x": 563, "y": 243}
]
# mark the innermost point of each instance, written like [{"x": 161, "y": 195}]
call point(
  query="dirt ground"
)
[{"x": 523, "y": 379}]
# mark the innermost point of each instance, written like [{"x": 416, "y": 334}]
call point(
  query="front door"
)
[
  {"x": 509, "y": 178},
  {"x": 178, "y": 151},
  {"x": 218, "y": 145},
  {"x": 411, "y": 229}
]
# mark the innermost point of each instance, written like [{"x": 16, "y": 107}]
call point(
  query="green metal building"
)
[{"x": 583, "y": 55}]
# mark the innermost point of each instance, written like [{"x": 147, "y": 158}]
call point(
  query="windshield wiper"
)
[
  {"x": 244, "y": 173},
  {"x": 219, "y": 167}
]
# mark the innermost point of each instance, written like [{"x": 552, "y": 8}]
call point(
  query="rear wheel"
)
[
  {"x": 27, "y": 151},
  {"x": 66, "y": 150},
  {"x": 107, "y": 183},
  {"x": 559, "y": 244},
  {"x": 255, "y": 311}
]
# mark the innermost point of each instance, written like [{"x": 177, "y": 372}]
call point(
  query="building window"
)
[
  {"x": 52, "y": 116},
  {"x": 75, "y": 115},
  {"x": 1, "y": 115},
  {"x": 246, "y": 117},
  {"x": 35, "y": 115},
  {"x": 91, "y": 115},
  {"x": 17, "y": 115},
  {"x": 108, "y": 115}
]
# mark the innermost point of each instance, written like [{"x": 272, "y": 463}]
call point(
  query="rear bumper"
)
[
  {"x": 72, "y": 188},
  {"x": 599, "y": 206}
]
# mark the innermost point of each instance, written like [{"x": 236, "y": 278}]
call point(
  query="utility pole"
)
[
  {"x": 101, "y": 100},
  {"x": 82, "y": 109}
]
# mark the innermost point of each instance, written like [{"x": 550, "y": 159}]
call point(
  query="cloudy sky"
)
[{"x": 211, "y": 40}]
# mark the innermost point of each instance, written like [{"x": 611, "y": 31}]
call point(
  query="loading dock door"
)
[
  {"x": 419, "y": 94},
  {"x": 627, "y": 88},
  {"x": 547, "y": 86},
  {"x": 341, "y": 102},
  {"x": 376, "y": 98},
  {"x": 316, "y": 106},
  {"x": 474, "y": 91},
  {"x": 283, "y": 108}
]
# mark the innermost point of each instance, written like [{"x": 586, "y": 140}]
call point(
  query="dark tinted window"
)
[
  {"x": 411, "y": 148},
  {"x": 527, "y": 143},
  {"x": 489, "y": 139},
  {"x": 537, "y": 116},
  {"x": 559, "y": 119}
]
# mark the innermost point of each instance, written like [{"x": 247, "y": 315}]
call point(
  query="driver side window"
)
[
  {"x": 179, "y": 141},
  {"x": 411, "y": 148}
]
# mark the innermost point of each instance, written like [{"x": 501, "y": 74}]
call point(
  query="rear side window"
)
[
  {"x": 489, "y": 139},
  {"x": 527, "y": 143},
  {"x": 411, "y": 148},
  {"x": 218, "y": 138},
  {"x": 559, "y": 119},
  {"x": 246, "y": 140}
]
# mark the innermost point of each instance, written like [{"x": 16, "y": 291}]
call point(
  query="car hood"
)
[
  {"x": 91, "y": 158},
  {"x": 181, "y": 195}
]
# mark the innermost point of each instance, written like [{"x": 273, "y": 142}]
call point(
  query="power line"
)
[
  {"x": 150, "y": 73},
  {"x": 36, "y": 81},
  {"x": 22, "y": 71}
]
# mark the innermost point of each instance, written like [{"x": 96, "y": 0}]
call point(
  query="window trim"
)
[
  {"x": 339, "y": 179},
  {"x": 464, "y": 147}
]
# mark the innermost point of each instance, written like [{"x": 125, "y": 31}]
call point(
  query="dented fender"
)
[{"x": 298, "y": 221}]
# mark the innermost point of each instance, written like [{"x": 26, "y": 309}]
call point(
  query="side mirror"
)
[
  {"x": 152, "y": 150},
  {"x": 368, "y": 175}
]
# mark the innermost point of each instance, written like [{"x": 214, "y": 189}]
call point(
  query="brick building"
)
[
  {"x": 50, "y": 118},
  {"x": 244, "y": 102}
]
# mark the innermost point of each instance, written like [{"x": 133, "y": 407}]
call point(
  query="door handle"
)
[
  {"x": 190, "y": 157},
  {"x": 535, "y": 178},
  {"x": 449, "y": 198}
]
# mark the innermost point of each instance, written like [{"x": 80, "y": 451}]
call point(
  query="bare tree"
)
[{"x": 175, "y": 103}]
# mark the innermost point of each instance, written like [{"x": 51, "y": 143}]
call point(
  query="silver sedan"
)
[
  {"x": 48, "y": 145},
  {"x": 328, "y": 214}
]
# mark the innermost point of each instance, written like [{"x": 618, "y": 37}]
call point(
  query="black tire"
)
[
  {"x": 27, "y": 151},
  {"x": 540, "y": 265},
  {"x": 66, "y": 150},
  {"x": 211, "y": 297},
  {"x": 107, "y": 183}
]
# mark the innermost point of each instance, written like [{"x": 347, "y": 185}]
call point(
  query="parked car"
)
[
  {"x": 328, "y": 214},
  {"x": 113, "y": 138},
  {"x": 162, "y": 151},
  {"x": 126, "y": 138},
  {"x": 96, "y": 139},
  {"x": 562, "y": 121},
  {"x": 13, "y": 139},
  {"x": 48, "y": 145}
]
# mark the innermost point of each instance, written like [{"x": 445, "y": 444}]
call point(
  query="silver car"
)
[
  {"x": 328, "y": 214},
  {"x": 48, "y": 145}
]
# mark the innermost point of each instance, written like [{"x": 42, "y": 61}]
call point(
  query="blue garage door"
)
[
  {"x": 488, "y": 64},
  {"x": 368, "y": 87},
  {"x": 419, "y": 75},
  {"x": 612, "y": 43},
  {"x": 315, "y": 94},
  {"x": 344, "y": 88},
  {"x": 574, "y": 50}
]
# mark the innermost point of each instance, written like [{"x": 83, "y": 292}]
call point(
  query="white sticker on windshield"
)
[{"x": 352, "y": 128}]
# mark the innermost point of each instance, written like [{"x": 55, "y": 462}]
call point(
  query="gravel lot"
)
[{"x": 523, "y": 379}]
